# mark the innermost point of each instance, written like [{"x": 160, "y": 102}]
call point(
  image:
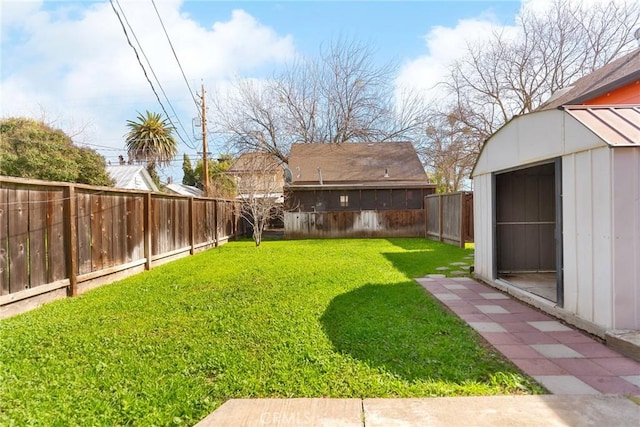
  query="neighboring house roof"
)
[
  {"x": 615, "y": 125},
  {"x": 378, "y": 164},
  {"x": 132, "y": 177},
  {"x": 258, "y": 175},
  {"x": 185, "y": 190},
  {"x": 252, "y": 162},
  {"x": 622, "y": 71}
]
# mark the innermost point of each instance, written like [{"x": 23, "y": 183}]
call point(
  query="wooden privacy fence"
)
[
  {"x": 349, "y": 224},
  {"x": 59, "y": 239},
  {"x": 449, "y": 217}
]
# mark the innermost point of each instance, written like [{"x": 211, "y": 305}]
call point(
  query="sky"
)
[{"x": 68, "y": 63}]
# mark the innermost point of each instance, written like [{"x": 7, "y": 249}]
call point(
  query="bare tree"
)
[
  {"x": 448, "y": 151},
  {"x": 340, "y": 96},
  {"x": 259, "y": 180},
  {"x": 514, "y": 73}
]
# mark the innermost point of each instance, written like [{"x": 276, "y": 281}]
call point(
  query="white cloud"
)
[
  {"x": 72, "y": 61},
  {"x": 444, "y": 46}
]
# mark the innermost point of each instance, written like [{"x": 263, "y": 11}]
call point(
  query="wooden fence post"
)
[
  {"x": 215, "y": 223},
  {"x": 462, "y": 222},
  {"x": 191, "y": 226},
  {"x": 147, "y": 230},
  {"x": 440, "y": 216},
  {"x": 71, "y": 239}
]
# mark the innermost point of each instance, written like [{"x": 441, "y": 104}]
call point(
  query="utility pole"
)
[{"x": 205, "y": 162}]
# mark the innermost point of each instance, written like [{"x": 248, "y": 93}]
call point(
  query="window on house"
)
[{"x": 344, "y": 201}]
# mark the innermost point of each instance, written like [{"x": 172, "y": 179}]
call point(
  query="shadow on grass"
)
[{"x": 396, "y": 328}]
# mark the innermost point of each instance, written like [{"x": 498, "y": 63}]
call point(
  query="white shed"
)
[{"x": 557, "y": 213}]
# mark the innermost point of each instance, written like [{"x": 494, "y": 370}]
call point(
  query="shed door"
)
[{"x": 526, "y": 220}]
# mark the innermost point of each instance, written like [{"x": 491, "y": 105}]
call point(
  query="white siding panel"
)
[
  {"x": 578, "y": 137},
  {"x": 503, "y": 153},
  {"x": 540, "y": 137},
  {"x": 626, "y": 247},
  {"x": 602, "y": 247},
  {"x": 569, "y": 233},
  {"x": 584, "y": 233},
  {"x": 483, "y": 226}
]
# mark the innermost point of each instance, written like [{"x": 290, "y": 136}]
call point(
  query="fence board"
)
[
  {"x": 370, "y": 223},
  {"x": 55, "y": 235},
  {"x": 38, "y": 256},
  {"x": 119, "y": 234},
  {"x": 4, "y": 242},
  {"x": 450, "y": 217},
  {"x": 96, "y": 232},
  {"x": 18, "y": 239},
  {"x": 83, "y": 205},
  {"x": 107, "y": 230}
]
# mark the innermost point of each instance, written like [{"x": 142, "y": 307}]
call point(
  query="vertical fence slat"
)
[
  {"x": 38, "y": 255},
  {"x": 18, "y": 241},
  {"x": 4, "y": 241},
  {"x": 96, "y": 232},
  {"x": 148, "y": 217},
  {"x": 55, "y": 235},
  {"x": 83, "y": 232},
  {"x": 107, "y": 230},
  {"x": 70, "y": 239}
]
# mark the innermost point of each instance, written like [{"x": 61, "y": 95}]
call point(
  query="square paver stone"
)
[
  {"x": 487, "y": 327},
  {"x": 493, "y": 295},
  {"x": 556, "y": 351},
  {"x": 447, "y": 297},
  {"x": 549, "y": 326},
  {"x": 455, "y": 287},
  {"x": 492, "y": 309},
  {"x": 633, "y": 379},
  {"x": 565, "y": 384}
]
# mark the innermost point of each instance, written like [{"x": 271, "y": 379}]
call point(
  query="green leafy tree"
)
[
  {"x": 220, "y": 184},
  {"x": 150, "y": 140},
  {"x": 32, "y": 149},
  {"x": 189, "y": 175}
]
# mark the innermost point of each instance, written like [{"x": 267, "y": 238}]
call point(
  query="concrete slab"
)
[
  {"x": 286, "y": 412},
  {"x": 497, "y": 411},
  {"x": 626, "y": 342}
]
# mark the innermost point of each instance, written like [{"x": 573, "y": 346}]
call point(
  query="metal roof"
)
[{"x": 616, "y": 125}]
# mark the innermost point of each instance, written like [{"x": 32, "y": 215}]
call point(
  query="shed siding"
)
[
  {"x": 587, "y": 235},
  {"x": 483, "y": 226},
  {"x": 626, "y": 246}
]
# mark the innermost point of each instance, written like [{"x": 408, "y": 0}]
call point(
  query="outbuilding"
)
[{"x": 557, "y": 213}]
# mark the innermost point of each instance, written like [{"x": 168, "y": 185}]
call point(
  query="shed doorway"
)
[{"x": 528, "y": 229}]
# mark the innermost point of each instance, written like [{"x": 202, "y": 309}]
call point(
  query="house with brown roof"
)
[
  {"x": 615, "y": 83},
  {"x": 355, "y": 190},
  {"x": 557, "y": 203},
  {"x": 258, "y": 174}
]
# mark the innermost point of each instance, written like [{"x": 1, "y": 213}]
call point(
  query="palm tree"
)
[{"x": 150, "y": 140}]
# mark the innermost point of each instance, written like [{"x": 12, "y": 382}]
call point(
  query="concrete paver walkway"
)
[
  {"x": 590, "y": 382},
  {"x": 562, "y": 359}
]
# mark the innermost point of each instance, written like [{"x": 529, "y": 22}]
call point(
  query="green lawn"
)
[{"x": 335, "y": 318}]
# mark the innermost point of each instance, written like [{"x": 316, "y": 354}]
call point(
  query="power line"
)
[
  {"x": 176, "y": 57},
  {"x": 190, "y": 145}
]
